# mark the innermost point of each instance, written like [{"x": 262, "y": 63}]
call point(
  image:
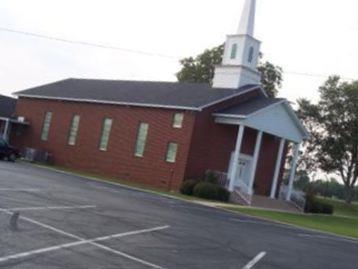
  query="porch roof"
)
[
  {"x": 271, "y": 115},
  {"x": 14, "y": 120},
  {"x": 251, "y": 106}
]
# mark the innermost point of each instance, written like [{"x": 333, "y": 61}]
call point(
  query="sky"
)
[{"x": 317, "y": 38}]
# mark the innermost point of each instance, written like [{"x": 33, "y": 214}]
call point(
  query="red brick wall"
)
[
  {"x": 203, "y": 144},
  {"x": 266, "y": 164},
  {"x": 212, "y": 143},
  {"x": 119, "y": 160}
]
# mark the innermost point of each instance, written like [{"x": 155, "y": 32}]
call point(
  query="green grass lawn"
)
[
  {"x": 333, "y": 224},
  {"x": 341, "y": 208}
]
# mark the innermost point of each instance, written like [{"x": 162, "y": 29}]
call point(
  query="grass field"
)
[
  {"x": 334, "y": 224},
  {"x": 341, "y": 208}
]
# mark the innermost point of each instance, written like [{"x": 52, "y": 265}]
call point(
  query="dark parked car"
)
[{"x": 8, "y": 152}]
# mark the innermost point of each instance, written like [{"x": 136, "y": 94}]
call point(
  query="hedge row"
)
[
  {"x": 317, "y": 207},
  {"x": 206, "y": 190}
]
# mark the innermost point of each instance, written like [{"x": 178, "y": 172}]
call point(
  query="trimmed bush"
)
[
  {"x": 211, "y": 191},
  {"x": 210, "y": 177},
  {"x": 188, "y": 186},
  {"x": 317, "y": 207}
]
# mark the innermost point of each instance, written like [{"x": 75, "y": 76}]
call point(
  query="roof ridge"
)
[{"x": 138, "y": 81}]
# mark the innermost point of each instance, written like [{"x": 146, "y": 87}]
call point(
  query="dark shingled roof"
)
[
  {"x": 146, "y": 93},
  {"x": 250, "y": 106},
  {"x": 7, "y": 106}
]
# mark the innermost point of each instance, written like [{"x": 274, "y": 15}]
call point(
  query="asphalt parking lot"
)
[{"x": 71, "y": 222}]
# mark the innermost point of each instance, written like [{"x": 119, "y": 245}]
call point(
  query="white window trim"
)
[
  {"x": 69, "y": 141},
  {"x": 174, "y": 125},
  {"x": 102, "y": 134},
  {"x": 44, "y": 123},
  {"x": 141, "y": 155},
  {"x": 176, "y": 152}
]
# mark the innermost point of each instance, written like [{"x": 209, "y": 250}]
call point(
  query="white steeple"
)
[
  {"x": 241, "y": 54},
  {"x": 247, "y": 22}
]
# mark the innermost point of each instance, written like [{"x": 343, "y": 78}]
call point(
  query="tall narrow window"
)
[
  {"x": 46, "y": 126},
  {"x": 74, "y": 130},
  {"x": 233, "y": 51},
  {"x": 251, "y": 54},
  {"x": 178, "y": 120},
  {"x": 172, "y": 152},
  {"x": 106, "y": 131},
  {"x": 141, "y": 139}
]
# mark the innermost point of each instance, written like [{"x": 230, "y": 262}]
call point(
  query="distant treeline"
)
[{"x": 331, "y": 188}]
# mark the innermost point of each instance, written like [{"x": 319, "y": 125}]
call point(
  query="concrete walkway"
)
[
  {"x": 259, "y": 202},
  {"x": 274, "y": 204}
]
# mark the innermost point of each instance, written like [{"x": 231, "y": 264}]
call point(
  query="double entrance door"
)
[{"x": 243, "y": 171}]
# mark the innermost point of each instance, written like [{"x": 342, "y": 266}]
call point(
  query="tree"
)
[
  {"x": 201, "y": 69},
  {"x": 333, "y": 124}
]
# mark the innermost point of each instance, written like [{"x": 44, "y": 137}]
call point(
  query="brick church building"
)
[{"x": 162, "y": 133}]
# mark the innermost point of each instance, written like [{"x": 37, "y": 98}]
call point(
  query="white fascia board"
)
[
  {"x": 242, "y": 120},
  {"x": 297, "y": 120},
  {"x": 229, "y": 116},
  {"x": 247, "y": 116},
  {"x": 4, "y": 119},
  {"x": 292, "y": 114},
  {"x": 13, "y": 121},
  {"x": 107, "y": 102},
  {"x": 265, "y": 108}
]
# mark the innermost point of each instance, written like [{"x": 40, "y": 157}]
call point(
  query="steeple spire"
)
[
  {"x": 247, "y": 22},
  {"x": 241, "y": 54}
]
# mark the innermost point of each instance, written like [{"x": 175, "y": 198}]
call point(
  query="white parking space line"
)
[
  {"x": 78, "y": 243},
  {"x": 50, "y": 208},
  {"x": 20, "y": 190},
  {"x": 120, "y": 253},
  {"x": 255, "y": 260}
]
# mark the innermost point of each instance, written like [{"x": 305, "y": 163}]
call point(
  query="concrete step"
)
[
  {"x": 273, "y": 204},
  {"x": 238, "y": 197}
]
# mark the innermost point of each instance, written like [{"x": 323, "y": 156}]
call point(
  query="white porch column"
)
[
  {"x": 5, "y": 135},
  {"x": 277, "y": 169},
  {"x": 233, "y": 172},
  {"x": 254, "y": 162},
  {"x": 293, "y": 171}
]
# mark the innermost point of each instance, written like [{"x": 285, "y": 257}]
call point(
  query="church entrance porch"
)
[{"x": 271, "y": 126}]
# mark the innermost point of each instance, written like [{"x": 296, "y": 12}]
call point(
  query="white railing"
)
[
  {"x": 298, "y": 198},
  {"x": 243, "y": 186},
  {"x": 222, "y": 177},
  {"x": 247, "y": 198}
]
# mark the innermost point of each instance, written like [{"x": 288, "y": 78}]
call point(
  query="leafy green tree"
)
[
  {"x": 271, "y": 77},
  {"x": 303, "y": 180},
  {"x": 333, "y": 124},
  {"x": 201, "y": 69}
]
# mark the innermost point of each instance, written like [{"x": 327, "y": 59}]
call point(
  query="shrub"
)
[
  {"x": 188, "y": 186},
  {"x": 211, "y": 178},
  {"x": 317, "y": 207},
  {"x": 211, "y": 191}
]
